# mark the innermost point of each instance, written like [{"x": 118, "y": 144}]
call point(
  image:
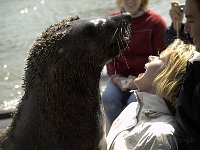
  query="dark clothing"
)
[
  {"x": 170, "y": 35},
  {"x": 188, "y": 108}
]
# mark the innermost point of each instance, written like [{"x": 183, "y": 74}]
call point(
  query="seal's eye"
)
[{"x": 98, "y": 23}]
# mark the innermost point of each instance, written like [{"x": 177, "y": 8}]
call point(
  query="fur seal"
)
[{"x": 61, "y": 107}]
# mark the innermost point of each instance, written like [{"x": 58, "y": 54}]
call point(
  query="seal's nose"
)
[
  {"x": 127, "y": 16},
  {"x": 122, "y": 17}
]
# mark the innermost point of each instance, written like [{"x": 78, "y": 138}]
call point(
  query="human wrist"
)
[{"x": 176, "y": 26}]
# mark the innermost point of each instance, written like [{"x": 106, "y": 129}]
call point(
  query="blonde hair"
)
[
  {"x": 169, "y": 80},
  {"x": 143, "y": 5}
]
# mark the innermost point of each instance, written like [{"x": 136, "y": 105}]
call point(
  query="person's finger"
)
[{"x": 178, "y": 10}]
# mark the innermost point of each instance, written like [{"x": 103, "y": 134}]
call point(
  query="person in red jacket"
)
[{"x": 147, "y": 38}]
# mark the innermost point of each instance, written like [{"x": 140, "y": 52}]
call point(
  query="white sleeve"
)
[{"x": 158, "y": 137}]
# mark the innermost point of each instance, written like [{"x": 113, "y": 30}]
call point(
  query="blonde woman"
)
[
  {"x": 149, "y": 124},
  {"x": 147, "y": 38}
]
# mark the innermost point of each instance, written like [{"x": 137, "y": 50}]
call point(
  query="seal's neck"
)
[{"x": 60, "y": 112}]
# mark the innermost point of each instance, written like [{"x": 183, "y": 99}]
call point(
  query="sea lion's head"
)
[
  {"x": 100, "y": 38},
  {"x": 76, "y": 45}
]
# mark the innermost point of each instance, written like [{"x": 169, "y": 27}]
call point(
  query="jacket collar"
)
[{"x": 152, "y": 105}]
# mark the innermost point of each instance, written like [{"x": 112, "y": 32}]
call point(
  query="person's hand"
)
[
  {"x": 118, "y": 81},
  {"x": 131, "y": 85},
  {"x": 123, "y": 83},
  {"x": 176, "y": 15}
]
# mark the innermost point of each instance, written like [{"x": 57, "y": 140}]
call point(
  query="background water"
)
[{"x": 22, "y": 20}]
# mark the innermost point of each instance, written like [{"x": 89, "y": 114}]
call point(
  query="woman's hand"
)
[
  {"x": 117, "y": 80},
  {"x": 132, "y": 84},
  {"x": 124, "y": 83}
]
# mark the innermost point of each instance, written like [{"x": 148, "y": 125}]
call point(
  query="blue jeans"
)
[{"x": 115, "y": 100}]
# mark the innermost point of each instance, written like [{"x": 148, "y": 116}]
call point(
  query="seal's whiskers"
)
[{"x": 123, "y": 42}]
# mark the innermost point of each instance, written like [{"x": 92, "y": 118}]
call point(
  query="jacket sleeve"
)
[
  {"x": 170, "y": 35},
  {"x": 157, "y": 137},
  {"x": 188, "y": 105}
]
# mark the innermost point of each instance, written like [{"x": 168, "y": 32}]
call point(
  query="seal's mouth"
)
[{"x": 120, "y": 38}]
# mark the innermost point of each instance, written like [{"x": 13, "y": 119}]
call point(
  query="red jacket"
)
[{"x": 147, "y": 38}]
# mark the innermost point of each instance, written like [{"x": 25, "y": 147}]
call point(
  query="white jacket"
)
[{"x": 144, "y": 125}]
